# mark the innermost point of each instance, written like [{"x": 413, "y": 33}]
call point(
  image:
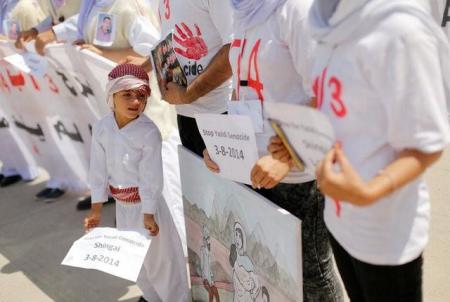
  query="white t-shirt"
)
[
  {"x": 384, "y": 92},
  {"x": 127, "y": 157},
  {"x": 210, "y": 21},
  {"x": 275, "y": 61}
]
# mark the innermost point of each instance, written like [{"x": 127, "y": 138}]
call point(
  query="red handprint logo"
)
[{"x": 195, "y": 45}]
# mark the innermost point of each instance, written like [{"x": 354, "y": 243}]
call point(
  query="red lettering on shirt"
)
[
  {"x": 335, "y": 89},
  {"x": 253, "y": 82},
  {"x": 167, "y": 9}
]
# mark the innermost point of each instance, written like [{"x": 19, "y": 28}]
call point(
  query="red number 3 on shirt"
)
[
  {"x": 167, "y": 6},
  {"x": 335, "y": 85}
]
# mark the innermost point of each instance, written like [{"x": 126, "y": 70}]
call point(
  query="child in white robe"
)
[{"x": 126, "y": 161}]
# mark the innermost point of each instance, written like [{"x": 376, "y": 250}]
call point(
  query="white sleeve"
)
[
  {"x": 98, "y": 173},
  {"x": 67, "y": 31},
  {"x": 294, "y": 30},
  {"x": 151, "y": 173},
  {"x": 411, "y": 86},
  {"x": 143, "y": 36},
  {"x": 45, "y": 25},
  {"x": 222, "y": 16}
]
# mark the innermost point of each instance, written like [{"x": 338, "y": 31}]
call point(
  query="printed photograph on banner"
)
[
  {"x": 233, "y": 256},
  {"x": 105, "y": 30},
  {"x": 58, "y": 3},
  {"x": 306, "y": 133},
  {"x": 12, "y": 28},
  {"x": 166, "y": 64}
]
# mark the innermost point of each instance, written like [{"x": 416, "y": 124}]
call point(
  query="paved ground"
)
[{"x": 35, "y": 236}]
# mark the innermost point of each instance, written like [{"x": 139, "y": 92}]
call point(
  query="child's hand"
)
[
  {"x": 150, "y": 224},
  {"x": 92, "y": 220}
]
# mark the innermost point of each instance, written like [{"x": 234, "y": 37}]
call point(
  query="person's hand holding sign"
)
[
  {"x": 278, "y": 150},
  {"x": 210, "y": 164},
  {"x": 268, "y": 172},
  {"x": 92, "y": 220},
  {"x": 150, "y": 224}
]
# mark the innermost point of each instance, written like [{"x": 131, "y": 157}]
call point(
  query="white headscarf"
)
[
  {"x": 127, "y": 82},
  {"x": 249, "y": 13}
]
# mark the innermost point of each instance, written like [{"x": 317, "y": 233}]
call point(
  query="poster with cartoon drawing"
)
[
  {"x": 241, "y": 247},
  {"x": 166, "y": 64}
]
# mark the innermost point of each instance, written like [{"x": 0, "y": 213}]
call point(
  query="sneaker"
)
[
  {"x": 84, "y": 204},
  {"x": 42, "y": 194},
  {"x": 9, "y": 180},
  {"x": 54, "y": 194}
]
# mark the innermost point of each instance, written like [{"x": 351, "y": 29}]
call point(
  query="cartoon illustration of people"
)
[
  {"x": 104, "y": 30},
  {"x": 245, "y": 281},
  {"x": 207, "y": 274},
  {"x": 265, "y": 294},
  {"x": 59, "y": 3}
]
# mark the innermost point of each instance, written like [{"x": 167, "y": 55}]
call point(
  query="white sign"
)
[
  {"x": 119, "y": 253},
  {"x": 251, "y": 108},
  {"x": 305, "y": 129},
  {"x": 231, "y": 143}
]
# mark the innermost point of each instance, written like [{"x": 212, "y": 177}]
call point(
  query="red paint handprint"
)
[{"x": 195, "y": 45}]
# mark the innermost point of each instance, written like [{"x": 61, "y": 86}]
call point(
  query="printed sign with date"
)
[
  {"x": 118, "y": 253},
  {"x": 231, "y": 143}
]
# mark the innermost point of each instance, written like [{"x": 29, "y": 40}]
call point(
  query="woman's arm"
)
[{"x": 347, "y": 186}]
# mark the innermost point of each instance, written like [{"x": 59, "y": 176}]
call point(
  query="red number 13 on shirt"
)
[
  {"x": 167, "y": 6},
  {"x": 335, "y": 85}
]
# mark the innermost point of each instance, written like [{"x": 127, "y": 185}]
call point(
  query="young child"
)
[{"x": 126, "y": 161}]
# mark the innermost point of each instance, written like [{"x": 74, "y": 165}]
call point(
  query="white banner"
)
[
  {"x": 53, "y": 114},
  {"x": 119, "y": 253}
]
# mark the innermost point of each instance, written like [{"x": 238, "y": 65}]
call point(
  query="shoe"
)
[
  {"x": 84, "y": 204},
  {"x": 9, "y": 180},
  {"x": 42, "y": 194},
  {"x": 141, "y": 299},
  {"x": 110, "y": 200},
  {"x": 54, "y": 194}
]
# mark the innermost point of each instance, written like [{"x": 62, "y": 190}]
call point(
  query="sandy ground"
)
[{"x": 35, "y": 236}]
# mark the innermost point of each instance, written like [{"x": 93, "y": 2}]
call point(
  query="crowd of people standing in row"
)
[{"x": 379, "y": 69}]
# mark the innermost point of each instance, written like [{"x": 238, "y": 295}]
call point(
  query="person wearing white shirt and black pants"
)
[{"x": 381, "y": 75}]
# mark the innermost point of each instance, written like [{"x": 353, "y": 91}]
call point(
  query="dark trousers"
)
[
  {"x": 320, "y": 280},
  {"x": 190, "y": 135},
  {"x": 378, "y": 283}
]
